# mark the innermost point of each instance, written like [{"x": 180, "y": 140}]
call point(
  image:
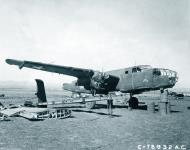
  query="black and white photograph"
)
[{"x": 94, "y": 74}]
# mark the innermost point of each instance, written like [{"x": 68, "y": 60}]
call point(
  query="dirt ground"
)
[{"x": 94, "y": 129}]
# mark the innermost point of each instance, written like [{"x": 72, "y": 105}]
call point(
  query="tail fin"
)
[{"x": 41, "y": 94}]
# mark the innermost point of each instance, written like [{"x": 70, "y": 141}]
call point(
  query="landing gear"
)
[
  {"x": 109, "y": 106},
  {"x": 133, "y": 102},
  {"x": 90, "y": 105}
]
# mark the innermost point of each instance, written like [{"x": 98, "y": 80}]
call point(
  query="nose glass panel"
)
[
  {"x": 171, "y": 75},
  {"x": 168, "y": 73}
]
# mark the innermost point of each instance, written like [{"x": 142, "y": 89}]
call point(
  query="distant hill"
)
[
  {"x": 25, "y": 85},
  {"x": 16, "y": 84},
  {"x": 48, "y": 86}
]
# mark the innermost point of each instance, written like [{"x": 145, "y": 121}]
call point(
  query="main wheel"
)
[
  {"x": 133, "y": 103},
  {"x": 90, "y": 105}
]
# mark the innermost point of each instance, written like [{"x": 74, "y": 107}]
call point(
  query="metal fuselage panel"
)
[{"x": 134, "y": 80}]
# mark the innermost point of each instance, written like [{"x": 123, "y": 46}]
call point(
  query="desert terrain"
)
[{"x": 94, "y": 129}]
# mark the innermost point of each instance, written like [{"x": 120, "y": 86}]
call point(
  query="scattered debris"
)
[
  {"x": 177, "y": 95},
  {"x": 4, "y": 118},
  {"x": 2, "y": 95},
  {"x": 46, "y": 114}
]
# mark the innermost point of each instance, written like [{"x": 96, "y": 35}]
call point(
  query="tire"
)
[
  {"x": 90, "y": 105},
  {"x": 133, "y": 103}
]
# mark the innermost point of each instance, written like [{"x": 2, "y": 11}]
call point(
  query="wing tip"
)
[
  {"x": 8, "y": 61},
  {"x": 13, "y": 62}
]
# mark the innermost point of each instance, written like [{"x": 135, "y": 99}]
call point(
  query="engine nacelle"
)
[
  {"x": 83, "y": 82},
  {"x": 103, "y": 82},
  {"x": 100, "y": 82}
]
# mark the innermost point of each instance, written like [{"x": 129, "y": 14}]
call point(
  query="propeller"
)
[{"x": 99, "y": 80}]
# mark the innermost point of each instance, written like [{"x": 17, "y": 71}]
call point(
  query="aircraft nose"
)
[{"x": 173, "y": 77}]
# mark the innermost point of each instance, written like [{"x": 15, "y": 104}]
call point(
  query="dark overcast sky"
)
[{"x": 101, "y": 34}]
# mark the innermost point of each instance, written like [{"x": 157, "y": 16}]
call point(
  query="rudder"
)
[{"x": 41, "y": 94}]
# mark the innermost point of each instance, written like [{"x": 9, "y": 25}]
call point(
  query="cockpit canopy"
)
[{"x": 140, "y": 68}]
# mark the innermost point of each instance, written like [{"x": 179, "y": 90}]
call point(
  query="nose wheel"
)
[{"x": 133, "y": 102}]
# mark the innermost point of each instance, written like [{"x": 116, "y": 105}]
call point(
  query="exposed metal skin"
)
[{"x": 132, "y": 80}]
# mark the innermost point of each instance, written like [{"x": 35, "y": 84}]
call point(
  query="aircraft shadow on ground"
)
[
  {"x": 99, "y": 113},
  {"x": 69, "y": 107},
  {"x": 104, "y": 106},
  {"x": 175, "y": 111},
  {"x": 72, "y": 116},
  {"x": 142, "y": 107}
]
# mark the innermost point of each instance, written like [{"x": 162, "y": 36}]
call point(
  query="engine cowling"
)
[
  {"x": 103, "y": 82},
  {"x": 99, "y": 83}
]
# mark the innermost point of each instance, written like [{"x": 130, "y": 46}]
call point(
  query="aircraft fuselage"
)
[
  {"x": 139, "y": 79},
  {"x": 133, "y": 80}
]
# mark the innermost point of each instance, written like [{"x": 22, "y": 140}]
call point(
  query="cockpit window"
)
[
  {"x": 141, "y": 68},
  {"x": 136, "y": 69}
]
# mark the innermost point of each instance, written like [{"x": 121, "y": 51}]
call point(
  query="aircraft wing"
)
[
  {"x": 71, "y": 71},
  {"x": 11, "y": 112}
]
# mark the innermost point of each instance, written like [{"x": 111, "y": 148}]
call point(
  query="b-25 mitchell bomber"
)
[{"x": 133, "y": 80}]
